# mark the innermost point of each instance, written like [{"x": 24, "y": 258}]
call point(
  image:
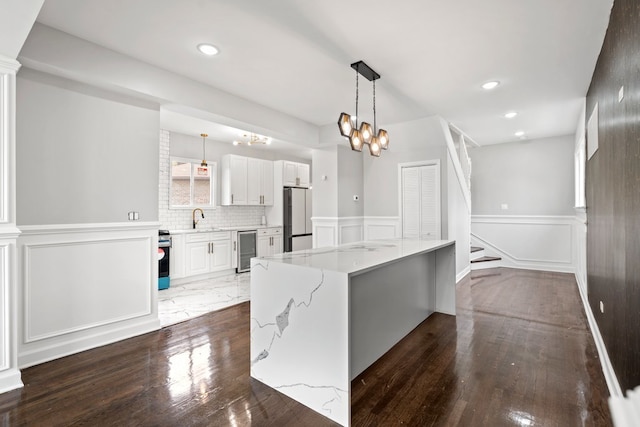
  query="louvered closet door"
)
[{"x": 421, "y": 202}]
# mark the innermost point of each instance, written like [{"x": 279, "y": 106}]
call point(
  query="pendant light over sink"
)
[
  {"x": 204, "y": 156},
  {"x": 377, "y": 139}
]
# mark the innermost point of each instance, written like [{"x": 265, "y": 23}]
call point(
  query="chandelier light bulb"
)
[
  {"x": 345, "y": 123},
  {"x": 383, "y": 137},
  {"x": 374, "y": 146},
  {"x": 366, "y": 131},
  {"x": 356, "y": 140}
]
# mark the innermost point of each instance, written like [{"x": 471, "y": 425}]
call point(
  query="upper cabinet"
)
[
  {"x": 295, "y": 174},
  {"x": 259, "y": 182},
  {"x": 246, "y": 181}
]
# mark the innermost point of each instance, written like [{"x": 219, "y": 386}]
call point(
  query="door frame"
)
[{"x": 431, "y": 162}]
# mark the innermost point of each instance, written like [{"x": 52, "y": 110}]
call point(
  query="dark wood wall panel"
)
[{"x": 613, "y": 194}]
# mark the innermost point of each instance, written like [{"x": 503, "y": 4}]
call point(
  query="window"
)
[{"x": 191, "y": 185}]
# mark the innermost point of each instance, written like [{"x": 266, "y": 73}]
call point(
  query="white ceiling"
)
[{"x": 294, "y": 55}]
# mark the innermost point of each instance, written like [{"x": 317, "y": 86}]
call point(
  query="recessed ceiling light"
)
[
  {"x": 208, "y": 49},
  {"x": 519, "y": 133},
  {"x": 510, "y": 114},
  {"x": 490, "y": 85}
]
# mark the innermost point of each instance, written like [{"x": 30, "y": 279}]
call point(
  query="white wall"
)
[
  {"x": 533, "y": 177},
  {"x": 83, "y": 155},
  {"x": 325, "y": 182},
  {"x": 350, "y": 181}
]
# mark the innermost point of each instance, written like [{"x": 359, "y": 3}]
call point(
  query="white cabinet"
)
[
  {"x": 259, "y": 182},
  {"x": 234, "y": 180},
  {"x": 246, "y": 181},
  {"x": 234, "y": 249},
  {"x": 269, "y": 241},
  {"x": 295, "y": 174},
  {"x": 176, "y": 257},
  {"x": 207, "y": 252}
]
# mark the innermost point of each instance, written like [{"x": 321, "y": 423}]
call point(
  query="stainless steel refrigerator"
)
[{"x": 297, "y": 219}]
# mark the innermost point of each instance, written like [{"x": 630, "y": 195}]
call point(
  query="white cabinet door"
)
[
  {"x": 177, "y": 263},
  {"x": 254, "y": 184},
  {"x": 263, "y": 246},
  {"x": 303, "y": 175},
  {"x": 234, "y": 249},
  {"x": 238, "y": 180},
  {"x": 276, "y": 247},
  {"x": 289, "y": 174},
  {"x": 220, "y": 255},
  {"x": 267, "y": 183},
  {"x": 198, "y": 255}
]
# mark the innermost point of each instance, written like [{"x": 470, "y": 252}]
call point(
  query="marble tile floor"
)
[{"x": 189, "y": 300}]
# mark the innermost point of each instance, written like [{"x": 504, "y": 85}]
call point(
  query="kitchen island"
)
[{"x": 320, "y": 317}]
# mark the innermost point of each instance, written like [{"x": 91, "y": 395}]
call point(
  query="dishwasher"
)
[{"x": 246, "y": 249}]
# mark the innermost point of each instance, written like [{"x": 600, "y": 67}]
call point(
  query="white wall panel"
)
[
  {"x": 376, "y": 228},
  {"x": 536, "y": 242},
  {"x": 84, "y": 286}
]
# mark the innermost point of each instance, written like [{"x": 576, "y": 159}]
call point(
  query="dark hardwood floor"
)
[{"x": 519, "y": 352}]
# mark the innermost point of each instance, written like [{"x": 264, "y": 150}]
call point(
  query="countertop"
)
[
  {"x": 358, "y": 257},
  {"x": 234, "y": 228}
]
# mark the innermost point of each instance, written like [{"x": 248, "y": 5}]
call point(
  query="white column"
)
[{"x": 9, "y": 372}]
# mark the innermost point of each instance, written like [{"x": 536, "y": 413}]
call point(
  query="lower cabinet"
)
[
  {"x": 269, "y": 241},
  {"x": 207, "y": 253}
]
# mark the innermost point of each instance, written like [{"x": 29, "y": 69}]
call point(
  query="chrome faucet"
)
[{"x": 193, "y": 216}]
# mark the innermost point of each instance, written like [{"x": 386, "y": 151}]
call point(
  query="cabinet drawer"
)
[
  {"x": 220, "y": 235},
  {"x": 269, "y": 231},
  {"x": 198, "y": 237},
  {"x": 208, "y": 236}
]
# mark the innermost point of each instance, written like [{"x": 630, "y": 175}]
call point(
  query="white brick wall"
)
[{"x": 180, "y": 219}]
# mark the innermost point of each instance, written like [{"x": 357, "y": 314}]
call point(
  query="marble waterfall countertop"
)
[
  {"x": 320, "y": 317},
  {"x": 359, "y": 257}
]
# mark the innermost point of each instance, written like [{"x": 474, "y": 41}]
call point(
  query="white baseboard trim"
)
[
  {"x": 607, "y": 368},
  {"x": 10, "y": 379},
  {"x": 49, "y": 352},
  {"x": 463, "y": 273}
]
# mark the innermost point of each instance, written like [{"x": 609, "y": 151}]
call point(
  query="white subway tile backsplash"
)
[{"x": 180, "y": 219}]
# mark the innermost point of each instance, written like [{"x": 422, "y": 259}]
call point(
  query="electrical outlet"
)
[
  {"x": 601, "y": 307},
  {"x": 133, "y": 216},
  {"x": 356, "y": 197},
  {"x": 504, "y": 207}
]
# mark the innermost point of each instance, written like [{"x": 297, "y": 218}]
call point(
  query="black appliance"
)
[{"x": 164, "y": 253}]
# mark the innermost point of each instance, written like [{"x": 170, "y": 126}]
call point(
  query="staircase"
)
[{"x": 480, "y": 261}]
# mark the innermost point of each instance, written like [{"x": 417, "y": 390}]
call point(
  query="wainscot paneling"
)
[
  {"x": 83, "y": 286},
  {"x": 532, "y": 242},
  {"x": 381, "y": 227},
  {"x": 334, "y": 231}
]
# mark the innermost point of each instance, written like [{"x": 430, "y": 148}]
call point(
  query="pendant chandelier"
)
[
  {"x": 377, "y": 139},
  {"x": 204, "y": 157}
]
